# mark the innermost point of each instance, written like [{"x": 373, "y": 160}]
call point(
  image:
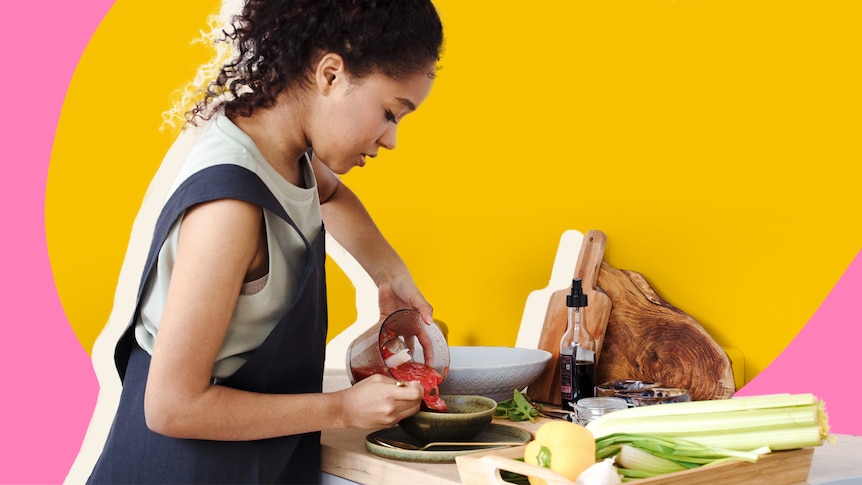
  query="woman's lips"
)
[{"x": 363, "y": 157}]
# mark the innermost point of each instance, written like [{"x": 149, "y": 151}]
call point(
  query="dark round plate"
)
[{"x": 494, "y": 432}]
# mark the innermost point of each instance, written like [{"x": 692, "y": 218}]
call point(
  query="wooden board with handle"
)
[
  {"x": 776, "y": 468},
  {"x": 648, "y": 339},
  {"x": 595, "y": 316}
]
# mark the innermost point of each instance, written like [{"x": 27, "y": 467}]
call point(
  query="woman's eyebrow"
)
[{"x": 406, "y": 102}]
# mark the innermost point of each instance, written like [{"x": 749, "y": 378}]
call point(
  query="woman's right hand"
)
[{"x": 379, "y": 402}]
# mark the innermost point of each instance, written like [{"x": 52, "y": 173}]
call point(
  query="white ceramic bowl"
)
[{"x": 493, "y": 372}]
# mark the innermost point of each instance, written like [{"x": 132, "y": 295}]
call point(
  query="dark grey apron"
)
[{"x": 290, "y": 361}]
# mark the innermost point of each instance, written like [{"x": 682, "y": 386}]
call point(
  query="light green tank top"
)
[{"x": 262, "y": 302}]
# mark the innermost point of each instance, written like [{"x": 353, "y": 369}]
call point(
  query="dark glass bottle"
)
[{"x": 577, "y": 353}]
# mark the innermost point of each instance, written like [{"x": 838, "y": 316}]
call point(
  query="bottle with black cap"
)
[{"x": 577, "y": 353}]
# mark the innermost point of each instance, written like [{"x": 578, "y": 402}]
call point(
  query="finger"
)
[
  {"x": 412, "y": 391},
  {"x": 427, "y": 346},
  {"x": 426, "y": 311},
  {"x": 420, "y": 392}
]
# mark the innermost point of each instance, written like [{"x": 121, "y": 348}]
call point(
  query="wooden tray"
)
[{"x": 777, "y": 468}]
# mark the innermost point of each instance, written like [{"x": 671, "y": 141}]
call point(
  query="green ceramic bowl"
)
[{"x": 467, "y": 417}]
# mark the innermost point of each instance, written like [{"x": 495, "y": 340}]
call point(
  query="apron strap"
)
[{"x": 226, "y": 181}]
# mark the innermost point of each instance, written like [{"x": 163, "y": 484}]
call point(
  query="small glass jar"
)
[{"x": 590, "y": 408}]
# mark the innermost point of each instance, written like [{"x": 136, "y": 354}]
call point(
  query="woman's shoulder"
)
[{"x": 220, "y": 143}]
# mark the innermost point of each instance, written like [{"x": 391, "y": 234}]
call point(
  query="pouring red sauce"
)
[
  {"x": 425, "y": 375},
  {"x": 428, "y": 377}
]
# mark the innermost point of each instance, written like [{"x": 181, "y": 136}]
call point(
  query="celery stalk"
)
[
  {"x": 728, "y": 416},
  {"x": 665, "y": 438},
  {"x": 688, "y": 424},
  {"x": 788, "y": 438},
  {"x": 674, "y": 446},
  {"x": 636, "y": 459},
  {"x": 719, "y": 405},
  {"x": 625, "y": 472}
]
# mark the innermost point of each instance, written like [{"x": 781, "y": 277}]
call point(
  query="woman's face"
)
[{"x": 357, "y": 117}]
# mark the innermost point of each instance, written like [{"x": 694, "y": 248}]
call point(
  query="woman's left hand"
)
[{"x": 401, "y": 293}]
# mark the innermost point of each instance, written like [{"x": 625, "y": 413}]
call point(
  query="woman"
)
[{"x": 222, "y": 363}]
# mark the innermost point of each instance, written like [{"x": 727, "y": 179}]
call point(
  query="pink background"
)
[{"x": 50, "y": 388}]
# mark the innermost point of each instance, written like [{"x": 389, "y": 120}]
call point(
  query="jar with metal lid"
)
[{"x": 590, "y": 408}]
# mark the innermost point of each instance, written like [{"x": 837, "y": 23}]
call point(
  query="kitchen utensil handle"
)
[
  {"x": 493, "y": 463},
  {"x": 590, "y": 258},
  {"x": 436, "y": 444}
]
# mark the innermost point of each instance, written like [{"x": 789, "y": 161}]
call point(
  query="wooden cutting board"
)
[
  {"x": 594, "y": 319},
  {"x": 649, "y": 339},
  {"x": 789, "y": 467}
]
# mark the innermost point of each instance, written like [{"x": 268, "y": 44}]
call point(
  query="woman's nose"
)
[{"x": 388, "y": 139}]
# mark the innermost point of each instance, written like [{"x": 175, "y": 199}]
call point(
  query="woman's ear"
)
[{"x": 329, "y": 73}]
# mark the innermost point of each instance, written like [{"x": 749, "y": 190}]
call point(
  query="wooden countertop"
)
[{"x": 344, "y": 455}]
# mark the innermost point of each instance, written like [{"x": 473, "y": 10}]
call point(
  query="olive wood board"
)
[
  {"x": 641, "y": 336},
  {"x": 648, "y": 339}
]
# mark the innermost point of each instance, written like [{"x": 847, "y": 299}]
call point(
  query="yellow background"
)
[{"x": 716, "y": 143}]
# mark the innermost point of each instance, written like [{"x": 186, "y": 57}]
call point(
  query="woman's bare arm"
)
[{"x": 217, "y": 243}]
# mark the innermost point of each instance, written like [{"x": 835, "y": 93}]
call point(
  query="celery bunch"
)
[{"x": 653, "y": 440}]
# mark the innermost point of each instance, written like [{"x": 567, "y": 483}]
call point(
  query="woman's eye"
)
[{"x": 390, "y": 117}]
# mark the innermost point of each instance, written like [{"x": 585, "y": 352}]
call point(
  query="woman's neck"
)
[{"x": 278, "y": 134}]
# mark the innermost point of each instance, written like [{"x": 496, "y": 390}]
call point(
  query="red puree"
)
[
  {"x": 360, "y": 373},
  {"x": 414, "y": 371},
  {"x": 428, "y": 377}
]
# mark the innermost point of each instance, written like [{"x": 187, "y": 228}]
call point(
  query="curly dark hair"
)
[{"x": 277, "y": 43}]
